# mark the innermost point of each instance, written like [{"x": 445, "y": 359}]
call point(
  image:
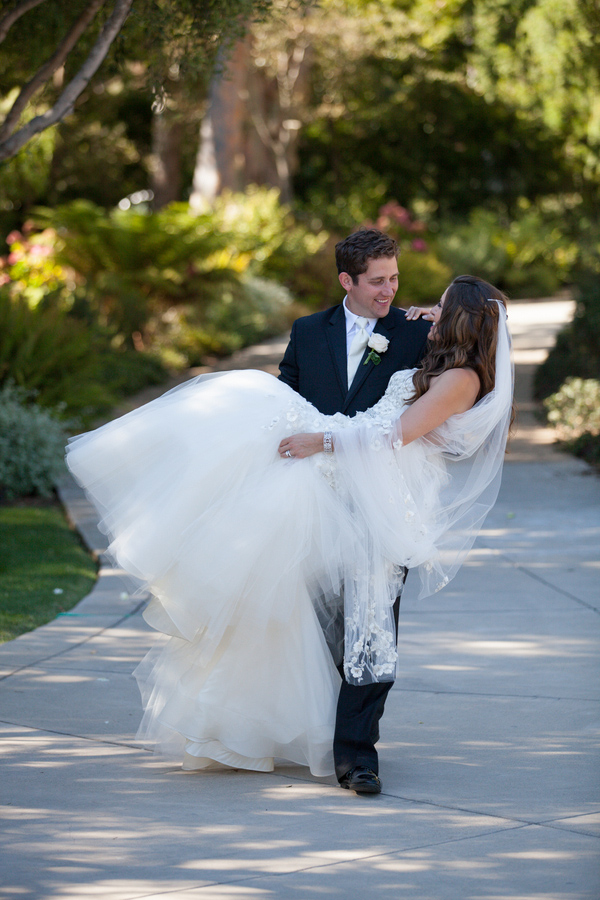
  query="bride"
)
[{"x": 248, "y": 514}]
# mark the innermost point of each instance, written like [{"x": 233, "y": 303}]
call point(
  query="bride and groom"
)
[{"x": 274, "y": 521}]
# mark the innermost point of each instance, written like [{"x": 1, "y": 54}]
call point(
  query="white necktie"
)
[{"x": 357, "y": 348}]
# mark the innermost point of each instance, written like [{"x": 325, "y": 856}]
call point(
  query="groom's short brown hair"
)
[{"x": 352, "y": 255}]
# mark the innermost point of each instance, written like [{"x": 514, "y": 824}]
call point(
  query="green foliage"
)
[
  {"x": 26, "y": 176},
  {"x": 422, "y": 279},
  {"x": 577, "y": 349},
  {"x": 314, "y": 280},
  {"x": 264, "y": 309},
  {"x": 65, "y": 361},
  {"x": 38, "y": 345},
  {"x": 174, "y": 277},
  {"x": 133, "y": 263},
  {"x": 44, "y": 569},
  {"x": 262, "y": 233},
  {"x": 168, "y": 35},
  {"x": 240, "y": 314},
  {"x": 97, "y": 304},
  {"x": 113, "y": 126},
  {"x": 529, "y": 256},
  {"x": 32, "y": 442},
  {"x": 575, "y": 408},
  {"x": 265, "y": 236},
  {"x": 402, "y": 106},
  {"x": 574, "y": 411},
  {"x": 542, "y": 59}
]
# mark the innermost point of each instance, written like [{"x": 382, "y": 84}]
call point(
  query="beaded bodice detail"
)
[{"x": 302, "y": 416}]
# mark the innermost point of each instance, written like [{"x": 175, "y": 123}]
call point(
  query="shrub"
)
[
  {"x": 574, "y": 411},
  {"x": 264, "y": 309},
  {"x": 31, "y": 269},
  {"x": 530, "y": 256},
  {"x": 422, "y": 279},
  {"x": 66, "y": 361},
  {"x": 263, "y": 233},
  {"x": 576, "y": 352},
  {"x": 132, "y": 264},
  {"x": 134, "y": 267},
  {"x": 83, "y": 297},
  {"x": 32, "y": 442},
  {"x": 240, "y": 314}
]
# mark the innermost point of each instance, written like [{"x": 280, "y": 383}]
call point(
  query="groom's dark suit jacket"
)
[
  {"x": 315, "y": 362},
  {"x": 315, "y": 365}
]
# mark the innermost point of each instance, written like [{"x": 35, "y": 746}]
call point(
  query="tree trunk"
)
[
  {"x": 167, "y": 141},
  {"x": 221, "y": 159},
  {"x": 250, "y": 131}
]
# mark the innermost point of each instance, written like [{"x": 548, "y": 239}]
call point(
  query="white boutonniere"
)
[{"x": 377, "y": 344}]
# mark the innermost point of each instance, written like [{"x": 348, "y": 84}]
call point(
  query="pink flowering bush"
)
[{"x": 30, "y": 268}]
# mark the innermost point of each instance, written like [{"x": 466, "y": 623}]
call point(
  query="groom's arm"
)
[{"x": 288, "y": 367}]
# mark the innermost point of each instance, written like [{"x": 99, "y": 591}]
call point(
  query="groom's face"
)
[{"x": 375, "y": 289}]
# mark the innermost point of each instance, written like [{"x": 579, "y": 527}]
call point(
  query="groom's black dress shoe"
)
[{"x": 361, "y": 780}]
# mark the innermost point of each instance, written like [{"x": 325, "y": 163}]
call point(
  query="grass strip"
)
[{"x": 44, "y": 569}]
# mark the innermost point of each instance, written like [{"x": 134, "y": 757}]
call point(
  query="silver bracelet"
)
[{"x": 328, "y": 442}]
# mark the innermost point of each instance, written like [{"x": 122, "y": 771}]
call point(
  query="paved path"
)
[{"x": 488, "y": 757}]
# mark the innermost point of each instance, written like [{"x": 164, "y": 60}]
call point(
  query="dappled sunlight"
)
[
  {"x": 282, "y": 792},
  {"x": 556, "y": 647},
  {"x": 529, "y": 357},
  {"x": 214, "y": 829},
  {"x": 374, "y": 812},
  {"x": 402, "y": 865},
  {"x": 449, "y": 668},
  {"x": 50, "y": 676},
  {"x": 539, "y": 854},
  {"x": 436, "y": 644}
]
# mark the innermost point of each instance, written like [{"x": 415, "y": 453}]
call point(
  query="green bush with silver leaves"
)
[
  {"x": 574, "y": 411},
  {"x": 32, "y": 443}
]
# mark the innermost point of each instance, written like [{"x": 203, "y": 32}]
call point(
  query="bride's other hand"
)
[
  {"x": 414, "y": 312},
  {"x": 299, "y": 446}
]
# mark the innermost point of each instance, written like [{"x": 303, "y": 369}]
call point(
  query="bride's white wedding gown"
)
[{"x": 244, "y": 553}]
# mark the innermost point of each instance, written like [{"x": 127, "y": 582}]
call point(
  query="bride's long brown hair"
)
[{"x": 465, "y": 335}]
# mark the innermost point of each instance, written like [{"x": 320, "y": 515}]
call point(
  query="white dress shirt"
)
[{"x": 351, "y": 326}]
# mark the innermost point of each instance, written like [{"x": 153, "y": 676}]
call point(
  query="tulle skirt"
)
[
  {"x": 234, "y": 543},
  {"x": 247, "y": 556}
]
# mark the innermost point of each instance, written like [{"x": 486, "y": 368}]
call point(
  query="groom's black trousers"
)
[{"x": 359, "y": 709}]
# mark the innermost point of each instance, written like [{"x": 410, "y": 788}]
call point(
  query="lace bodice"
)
[
  {"x": 391, "y": 406},
  {"x": 302, "y": 416}
]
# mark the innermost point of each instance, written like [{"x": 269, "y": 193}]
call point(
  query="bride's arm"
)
[{"x": 455, "y": 391}]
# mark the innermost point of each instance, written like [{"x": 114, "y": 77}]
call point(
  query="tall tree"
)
[
  {"x": 79, "y": 39},
  {"x": 253, "y": 119}
]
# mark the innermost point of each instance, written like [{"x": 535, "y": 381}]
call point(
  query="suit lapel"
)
[
  {"x": 386, "y": 328},
  {"x": 335, "y": 331}
]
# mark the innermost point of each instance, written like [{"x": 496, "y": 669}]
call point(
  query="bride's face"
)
[{"x": 435, "y": 314}]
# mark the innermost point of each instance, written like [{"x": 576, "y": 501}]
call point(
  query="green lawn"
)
[{"x": 39, "y": 554}]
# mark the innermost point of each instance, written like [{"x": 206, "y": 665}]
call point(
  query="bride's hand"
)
[
  {"x": 415, "y": 311},
  {"x": 299, "y": 446}
]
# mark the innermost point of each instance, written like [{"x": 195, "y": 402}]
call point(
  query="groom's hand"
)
[{"x": 299, "y": 446}]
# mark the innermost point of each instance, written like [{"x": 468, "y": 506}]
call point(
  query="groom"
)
[{"x": 328, "y": 361}]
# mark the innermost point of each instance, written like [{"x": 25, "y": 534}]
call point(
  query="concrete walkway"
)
[{"x": 488, "y": 751}]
